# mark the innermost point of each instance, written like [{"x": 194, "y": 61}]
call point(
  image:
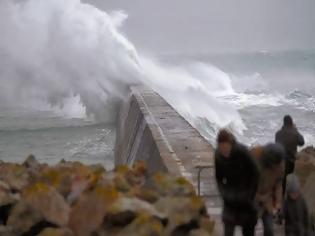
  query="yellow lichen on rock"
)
[
  {"x": 56, "y": 232},
  {"x": 72, "y": 199}
]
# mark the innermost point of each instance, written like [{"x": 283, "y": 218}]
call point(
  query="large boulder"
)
[
  {"x": 16, "y": 176},
  {"x": 31, "y": 162},
  {"x": 184, "y": 214},
  {"x": 7, "y": 201},
  {"x": 7, "y": 231},
  {"x": 41, "y": 206},
  {"x": 87, "y": 215},
  {"x": 125, "y": 210}
]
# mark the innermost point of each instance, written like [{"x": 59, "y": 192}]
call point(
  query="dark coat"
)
[
  {"x": 297, "y": 221},
  {"x": 290, "y": 139},
  {"x": 237, "y": 179}
]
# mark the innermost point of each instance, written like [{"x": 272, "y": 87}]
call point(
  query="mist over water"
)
[
  {"x": 65, "y": 67},
  {"x": 55, "y": 51}
]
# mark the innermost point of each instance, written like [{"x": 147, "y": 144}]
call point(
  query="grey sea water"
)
[
  {"x": 51, "y": 137},
  {"x": 266, "y": 87}
]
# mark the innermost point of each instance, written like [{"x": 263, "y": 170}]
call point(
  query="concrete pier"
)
[{"x": 150, "y": 129}]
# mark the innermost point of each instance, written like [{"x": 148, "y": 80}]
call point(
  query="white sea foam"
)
[
  {"x": 245, "y": 100},
  {"x": 73, "y": 57}
]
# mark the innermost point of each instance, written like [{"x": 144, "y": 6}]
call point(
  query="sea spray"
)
[{"x": 72, "y": 57}]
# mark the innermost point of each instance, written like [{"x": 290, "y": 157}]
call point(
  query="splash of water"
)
[{"x": 56, "y": 51}]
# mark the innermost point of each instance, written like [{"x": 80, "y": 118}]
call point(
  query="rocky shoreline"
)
[
  {"x": 72, "y": 199},
  {"x": 305, "y": 170}
]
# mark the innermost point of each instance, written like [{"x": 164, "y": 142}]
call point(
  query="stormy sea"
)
[{"x": 66, "y": 66}]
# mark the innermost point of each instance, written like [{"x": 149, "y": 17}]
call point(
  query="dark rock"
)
[
  {"x": 31, "y": 162},
  {"x": 119, "y": 220},
  {"x": 185, "y": 229},
  {"x": 7, "y": 231},
  {"x": 5, "y": 211},
  {"x": 38, "y": 228}
]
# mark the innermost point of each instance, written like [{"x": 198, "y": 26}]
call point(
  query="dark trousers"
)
[
  {"x": 289, "y": 169},
  {"x": 248, "y": 229},
  {"x": 267, "y": 220}
]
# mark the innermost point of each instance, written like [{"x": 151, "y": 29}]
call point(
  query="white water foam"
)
[
  {"x": 73, "y": 57},
  {"x": 245, "y": 100}
]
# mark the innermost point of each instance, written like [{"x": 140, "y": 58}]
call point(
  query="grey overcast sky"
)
[{"x": 170, "y": 26}]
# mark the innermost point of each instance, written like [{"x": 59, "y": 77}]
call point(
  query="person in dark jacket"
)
[
  {"x": 290, "y": 138},
  {"x": 297, "y": 221},
  {"x": 237, "y": 177}
]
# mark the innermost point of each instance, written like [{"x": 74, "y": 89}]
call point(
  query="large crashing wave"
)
[{"x": 72, "y": 56}]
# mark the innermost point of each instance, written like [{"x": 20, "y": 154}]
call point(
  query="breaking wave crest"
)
[{"x": 73, "y": 58}]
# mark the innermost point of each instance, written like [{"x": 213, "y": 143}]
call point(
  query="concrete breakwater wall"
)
[{"x": 150, "y": 129}]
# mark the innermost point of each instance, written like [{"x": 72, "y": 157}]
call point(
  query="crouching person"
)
[
  {"x": 237, "y": 177},
  {"x": 297, "y": 221},
  {"x": 269, "y": 195}
]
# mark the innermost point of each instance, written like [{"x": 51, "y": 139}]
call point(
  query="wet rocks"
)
[
  {"x": 305, "y": 164},
  {"x": 72, "y": 199},
  {"x": 305, "y": 170},
  {"x": 31, "y": 162},
  {"x": 40, "y": 206},
  {"x": 14, "y": 175}
]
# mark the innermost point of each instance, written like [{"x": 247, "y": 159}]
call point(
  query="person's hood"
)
[{"x": 272, "y": 154}]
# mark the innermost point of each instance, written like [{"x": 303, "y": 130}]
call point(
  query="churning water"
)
[{"x": 65, "y": 67}]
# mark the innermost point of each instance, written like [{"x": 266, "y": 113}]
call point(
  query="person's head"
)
[
  {"x": 287, "y": 121},
  {"x": 272, "y": 155},
  {"x": 293, "y": 187},
  {"x": 225, "y": 141},
  {"x": 257, "y": 151}
]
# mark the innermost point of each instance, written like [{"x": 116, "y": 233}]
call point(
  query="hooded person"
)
[
  {"x": 290, "y": 138},
  {"x": 237, "y": 177},
  {"x": 269, "y": 193},
  {"x": 297, "y": 220}
]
